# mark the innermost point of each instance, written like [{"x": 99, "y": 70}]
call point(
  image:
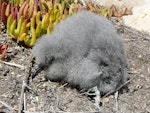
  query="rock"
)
[{"x": 140, "y": 18}]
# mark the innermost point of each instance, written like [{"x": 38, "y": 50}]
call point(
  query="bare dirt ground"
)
[{"x": 49, "y": 97}]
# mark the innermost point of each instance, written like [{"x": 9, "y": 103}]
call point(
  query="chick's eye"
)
[
  {"x": 107, "y": 81},
  {"x": 106, "y": 78}
]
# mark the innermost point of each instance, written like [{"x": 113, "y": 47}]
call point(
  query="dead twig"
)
[
  {"x": 6, "y": 105},
  {"x": 25, "y": 103},
  {"x": 116, "y": 102},
  {"x": 13, "y": 64},
  {"x": 97, "y": 99},
  {"x": 120, "y": 86},
  {"x": 62, "y": 86},
  {"x": 22, "y": 103},
  {"x": 21, "y": 98}
]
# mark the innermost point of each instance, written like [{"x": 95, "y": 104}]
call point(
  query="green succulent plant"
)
[{"x": 29, "y": 19}]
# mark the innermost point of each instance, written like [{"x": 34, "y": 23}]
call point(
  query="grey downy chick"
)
[{"x": 85, "y": 51}]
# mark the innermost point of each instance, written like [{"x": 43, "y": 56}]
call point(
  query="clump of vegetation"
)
[
  {"x": 27, "y": 20},
  {"x": 108, "y": 12},
  {"x": 3, "y": 51}
]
